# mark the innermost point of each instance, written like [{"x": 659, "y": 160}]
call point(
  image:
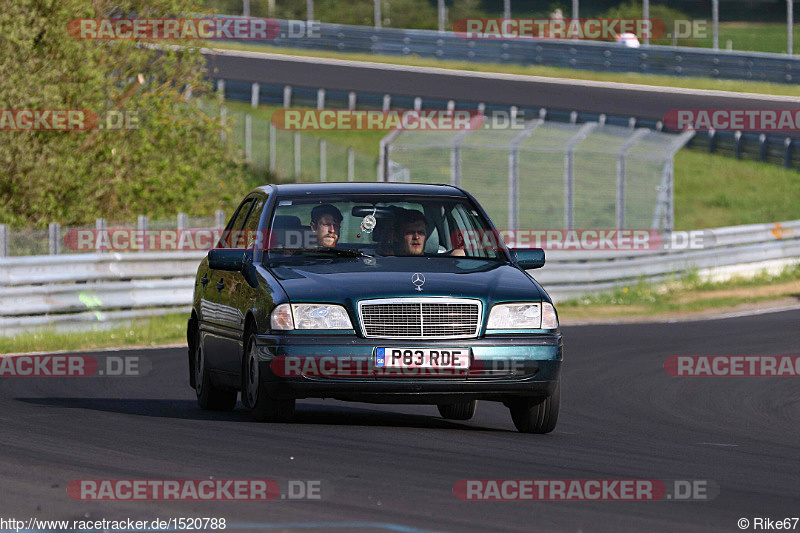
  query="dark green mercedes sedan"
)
[{"x": 372, "y": 292}]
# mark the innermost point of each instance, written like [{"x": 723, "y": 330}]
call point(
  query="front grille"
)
[{"x": 412, "y": 318}]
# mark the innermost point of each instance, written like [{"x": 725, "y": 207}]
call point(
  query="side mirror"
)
[
  {"x": 529, "y": 258},
  {"x": 226, "y": 259}
]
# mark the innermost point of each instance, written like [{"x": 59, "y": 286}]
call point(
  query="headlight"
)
[
  {"x": 515, "y": 316},
  {"x": 310, "y": 316}
]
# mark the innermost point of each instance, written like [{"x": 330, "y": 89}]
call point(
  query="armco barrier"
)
[
  {"x": 577, "y": 54},
  {"x": 103, "y": 288}
]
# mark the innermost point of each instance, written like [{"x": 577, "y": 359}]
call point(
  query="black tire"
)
[
  {"x": 208, "y": 396},
  {"x": 532, "y": 416},
  {"x": 255, "y": 393},
  {"x": 458, "y": 411}
]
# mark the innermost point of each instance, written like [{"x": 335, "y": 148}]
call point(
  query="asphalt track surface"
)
[
  {"x": 466, "y": 86},
  {"x": 392, "y": 468}
]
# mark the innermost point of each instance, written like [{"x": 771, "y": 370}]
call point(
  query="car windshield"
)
[{"x": 379, "y": 226}]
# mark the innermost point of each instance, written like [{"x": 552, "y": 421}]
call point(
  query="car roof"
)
[{"x": 296, "y": 189}]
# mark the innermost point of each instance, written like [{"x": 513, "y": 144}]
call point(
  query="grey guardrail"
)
[
  {"x": 102, "y": 288},
  {"x": 577, "y": 54}
]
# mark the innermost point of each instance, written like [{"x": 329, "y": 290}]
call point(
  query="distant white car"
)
[{"x": 628, "y": 39}]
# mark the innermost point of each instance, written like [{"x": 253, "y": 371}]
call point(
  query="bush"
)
[
  {"x": 173, "y": 162},
  {"x": 632, "y": 9}
]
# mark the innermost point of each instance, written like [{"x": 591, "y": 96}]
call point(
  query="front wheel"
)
[
  {"x": 532, "y": 416},
  {"x": 208, "y": 396},
  {"x": 458, "y": 411},
  {"x": 255, "y": 394}
]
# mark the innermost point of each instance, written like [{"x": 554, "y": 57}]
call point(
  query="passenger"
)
[
  {"x": 412, "y": 231},
  {"x": 326, "y": 220}
]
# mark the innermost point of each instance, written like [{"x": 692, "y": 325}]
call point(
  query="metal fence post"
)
[
  {"x": 351, "y": 164},
  {"x": 287, "y": 96},
  {"x": 384, "y": 154},
  {"x": 569, "y": 173},
  {"x": 221, "y": 90},
  {"x": 790, "y": 26},
  {"x": 3, "y": 240},
  {"x": 272, "y": 147},
  {"x": 297, "y": 155},
  {"x": 320, "y": 98},
  {"x": 351, "y": 100},
  {"x": 417, "y": 103},
  {"x": 387, "y": 102},
  {"x": 513, "y": 172},
  {"x": 183, "y": 224},
  {"x": 223, "y": 113},
  {"x": 141, "y": 227},
  {"x": 712, "y": 141},
  {"x": 787, "y": 161},
  {"x": 621, "y": 156},
  {"x": 670, "y": 222},
  {"x": 100, "y": 226},
  {"x": 248, "y": 139},
  {"x": 254, "y": 94},
  {"x": 219, "y": 219},
  {"x": 737, "y": 151},
  {"x": 762, "y": 147},
  {"x": 309, "y": 9},
  {"x": 54, "y": 238},
  {"x": 377, "y": 9},
  {"x": 323, "y": 160}
]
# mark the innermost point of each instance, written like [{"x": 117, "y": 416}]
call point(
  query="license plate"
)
[{"x": 423, "y": 358}]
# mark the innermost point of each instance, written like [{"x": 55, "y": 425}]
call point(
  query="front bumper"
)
[{"x": 503, "y": 367}]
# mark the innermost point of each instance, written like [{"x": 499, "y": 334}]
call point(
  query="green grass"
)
[
  {"x": 550, "y": 72},
  {"x": 156, "y": 331},
  {"x": 753, "y": 37},
  {"x": 689, "y": 293},
  {"x": 714, "y": 191}
]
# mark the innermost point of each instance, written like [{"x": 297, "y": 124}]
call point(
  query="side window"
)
[
  {"x": 251, "y": 224},
  {"x": 231, "y": 234}
]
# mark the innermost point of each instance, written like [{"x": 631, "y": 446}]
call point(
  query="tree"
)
[{"x": 172, "y": 161}]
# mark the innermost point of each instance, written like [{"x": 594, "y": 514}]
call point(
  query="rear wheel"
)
[
  {"x": 536, "y": 416},
  {"x": 458, "y": 411},
  {"x": 209, "y": 396},
  {"x": 255, "y": 393}
]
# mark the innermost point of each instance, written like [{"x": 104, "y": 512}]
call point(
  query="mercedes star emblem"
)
[{"x": 418, "y": 280}]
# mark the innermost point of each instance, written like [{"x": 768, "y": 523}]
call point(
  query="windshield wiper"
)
[{"x": 341, "y": 252}]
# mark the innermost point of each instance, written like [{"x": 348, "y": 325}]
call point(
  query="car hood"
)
[{"x": 350, "y": 280}]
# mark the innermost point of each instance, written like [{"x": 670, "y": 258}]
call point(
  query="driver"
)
[{"x": 326, "y": 220}]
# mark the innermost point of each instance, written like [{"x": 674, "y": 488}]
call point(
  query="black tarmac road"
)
[
  {"x": 392, "y": 468},
  {"x": 466, "y": 86}
]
